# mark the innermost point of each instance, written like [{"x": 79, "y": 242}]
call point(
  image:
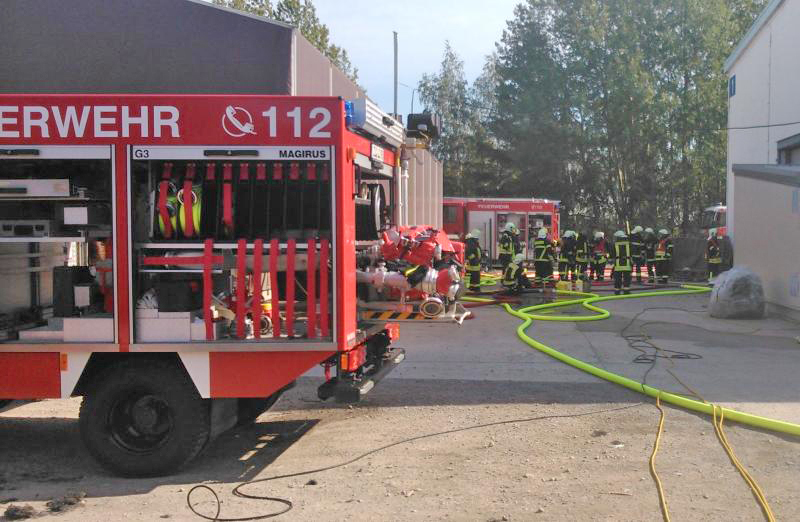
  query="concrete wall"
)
[
  {"x": 768, "y": 224},
  {"x": 767, "y": 92}
]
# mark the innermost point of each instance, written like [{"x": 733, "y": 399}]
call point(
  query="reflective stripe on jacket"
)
[
  {"x": 542, "y": 250},
  {"x": 664, "y": 249},
  {"x": 622, "y": 256},
  {"x": 506, "y": 244},
  {"x": 511, "y": 274}
]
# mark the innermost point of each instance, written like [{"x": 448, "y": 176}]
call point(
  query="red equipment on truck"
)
[{"x": 179, "y": 260}]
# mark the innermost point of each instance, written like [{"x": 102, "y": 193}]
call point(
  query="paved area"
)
[{"x": 591, "y": 467}]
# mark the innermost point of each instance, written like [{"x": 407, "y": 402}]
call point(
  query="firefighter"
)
[
  {"x": 599, "y": 257},
  {"x": 581, "y": 256},
  {"x": 473, "y": 260},
  {"x": 663, "y": 256},
  {"x": 514, "y": 278},
  {"x": 566, "y": 257},
  {"x": 622, "y": 257},
  {"x": 637, "y": 252},
  {"x": 713, "y": 254},
  {"x": 507, "y": 247},
  {"x": 543, "y": 257},
  {"x": 517, "y": 241},
  {"x": 650, "y": 242}
]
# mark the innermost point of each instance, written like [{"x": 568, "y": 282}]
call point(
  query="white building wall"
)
[
  {"x": 767, "y": 89},
  {"x": 768, "y": 213}
]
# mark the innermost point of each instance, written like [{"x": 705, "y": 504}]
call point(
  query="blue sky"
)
[{"x": 364, "y": 28}]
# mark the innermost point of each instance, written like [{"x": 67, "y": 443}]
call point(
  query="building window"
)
[
  {"x": 789, "y": 150},
  {"x": 732, "y": 86}
]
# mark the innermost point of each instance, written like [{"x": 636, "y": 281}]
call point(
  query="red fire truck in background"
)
[
  {"x": 179, "y": 261},
  {"x": 490, "y": 215},
  {"x": 714, "y": 217}
]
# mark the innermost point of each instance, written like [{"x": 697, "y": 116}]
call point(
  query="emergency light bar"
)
[{"x": 369, "y": 118}]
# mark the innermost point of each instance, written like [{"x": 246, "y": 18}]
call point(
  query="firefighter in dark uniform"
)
[
  {"x": 622, "y": 257},
  {"x": 713, "y": 254},
  {"x": 663, "y": 256},
  {"x": 506, "y": 250},
  {"x": 566, "y": 257},
  {"x": 473, "y": 260},
  {"x": 543, "y": 257},
  {"x": 599, "y": 257},
  {"x": 581, "y": 256},
  {"x": 514, "y": 278},
  {"x": 637, "y": 252},
  {"x": 650, "y": 242}
]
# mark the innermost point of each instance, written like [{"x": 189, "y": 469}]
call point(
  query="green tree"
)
[
  {"x": 303, "y": 16},
  {"x": 611, "y": 105},
  {"x": 445, "y": 93}
]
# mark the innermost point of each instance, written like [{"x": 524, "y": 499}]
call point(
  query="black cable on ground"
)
[{"x": 287, "y": 504}]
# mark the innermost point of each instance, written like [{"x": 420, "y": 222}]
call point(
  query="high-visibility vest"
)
[
  {"x": 473, "y": 257},
  {"x": 506, "y": 244},
  {"x": 510, "y": 274},
  {"x": 664, "y": 249},
  {"x": 542, "y": 250},
  {"x": 622, "y": 256}
]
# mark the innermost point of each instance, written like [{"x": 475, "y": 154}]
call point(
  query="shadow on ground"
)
[{"x": 40, "y": 456}]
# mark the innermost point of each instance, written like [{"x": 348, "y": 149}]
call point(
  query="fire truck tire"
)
[{"x": 144, "y": 419}]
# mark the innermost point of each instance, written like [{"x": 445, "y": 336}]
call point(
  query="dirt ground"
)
[{"x": 588, "y": 467}]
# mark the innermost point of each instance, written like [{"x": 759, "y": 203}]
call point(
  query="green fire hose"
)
[{"x": 587, "y": 301}]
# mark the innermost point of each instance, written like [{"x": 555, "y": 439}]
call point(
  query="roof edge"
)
[
  {"x": 751, "y": 33},
  {"x": 788, "y": 175},
  {"x": 208, "y": 3}
]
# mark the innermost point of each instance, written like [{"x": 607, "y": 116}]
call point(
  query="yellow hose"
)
[{"x": 587, "y": 301}]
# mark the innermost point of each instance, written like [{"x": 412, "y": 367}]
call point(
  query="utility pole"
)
[{"x": 395, "y": 74}]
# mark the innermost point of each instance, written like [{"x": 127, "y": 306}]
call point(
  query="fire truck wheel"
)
[{"x": 144, "y": 418}]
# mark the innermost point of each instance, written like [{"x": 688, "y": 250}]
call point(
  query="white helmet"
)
[
  {"x": 620, "y": 234},
  {"x": 509, "y": 227},
  {"x": 636, "y": 230},
  {"x": 648, "y": 230},
  {"x": 469, "y": 236},
  {"x": 712, "y": 232},
  {"x": 518, "y": 259},
  {"x": 542, "y": 233},
  {"x": 599, "y": 235},
  {"x": 475, "y": 233},
  {"x": 569, "y": 233},
  {"x": 663, "y": 232}
]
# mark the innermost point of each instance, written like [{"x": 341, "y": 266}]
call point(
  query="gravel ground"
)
[{"x": 588, "y": 467}]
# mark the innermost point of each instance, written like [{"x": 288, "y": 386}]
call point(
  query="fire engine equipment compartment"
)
[
  {"x": 56, "y": 243},
  {"x": 241, "y": 230}
]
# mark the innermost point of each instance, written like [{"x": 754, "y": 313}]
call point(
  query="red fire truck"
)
[
  {"x": 179, "y": 261},
  {"x": 490, "y": 215}
]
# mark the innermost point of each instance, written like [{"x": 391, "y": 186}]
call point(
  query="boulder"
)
[{"x": 737, "y": 294}]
